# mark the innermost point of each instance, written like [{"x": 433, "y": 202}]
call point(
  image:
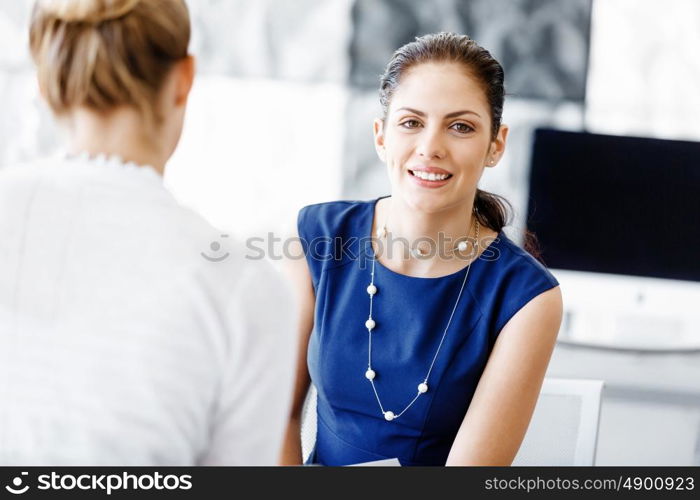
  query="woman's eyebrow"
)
[
  {"x": 411, "y": 110},
  {"x": 448, "y": 115},
  {"x": 462, "y": 112}
]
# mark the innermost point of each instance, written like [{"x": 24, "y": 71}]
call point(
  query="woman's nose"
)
[{"x": 431, "y": 144}]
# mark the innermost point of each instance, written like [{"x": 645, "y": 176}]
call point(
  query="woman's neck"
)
[
  {"x": 120, "y": 133},
  {"x": 449, "y": 225},
  {"x": 438, "y": 233}
]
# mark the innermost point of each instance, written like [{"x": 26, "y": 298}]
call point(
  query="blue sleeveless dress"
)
[{"x": 411, "y": 314}]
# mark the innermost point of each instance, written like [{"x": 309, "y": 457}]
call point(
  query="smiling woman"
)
[
  {"x": 435, "y": 354},
  {"x": 439, "y": 124}
]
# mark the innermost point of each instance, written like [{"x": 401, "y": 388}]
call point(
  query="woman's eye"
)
[
  {"x": 462, "y": 128},
  {"x": 410, "y": 124}
]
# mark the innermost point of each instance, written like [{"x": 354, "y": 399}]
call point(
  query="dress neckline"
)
[{"x": 372, "y": 205}]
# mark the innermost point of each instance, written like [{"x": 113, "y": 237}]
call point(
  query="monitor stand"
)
[{"x": 628, "y": 312}]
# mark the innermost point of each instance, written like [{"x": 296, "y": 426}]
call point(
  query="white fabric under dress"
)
[{"x": 127, "y": 336}]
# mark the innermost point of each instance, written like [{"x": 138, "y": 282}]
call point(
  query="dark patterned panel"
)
[{"x": 542, "y": 44}]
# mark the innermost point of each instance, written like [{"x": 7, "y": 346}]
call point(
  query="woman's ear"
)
[
  {"x": 379, "y": 138},
  {"x": 184, "y": 74},
  {"x": 498, "y": 147}
]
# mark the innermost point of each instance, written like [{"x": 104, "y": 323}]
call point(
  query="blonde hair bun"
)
[
  {"x": 87, "y": 11},
  {"x": 124, "y": 62}
]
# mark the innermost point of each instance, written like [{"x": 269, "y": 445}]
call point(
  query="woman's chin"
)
[{"x": 428, "y": 203}]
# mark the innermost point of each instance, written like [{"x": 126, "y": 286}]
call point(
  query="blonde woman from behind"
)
[{"x": 125, "y": 338}]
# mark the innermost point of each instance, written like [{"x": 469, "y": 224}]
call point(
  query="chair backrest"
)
[
  {"x": 563, "y": 429},
  {"x": 564, "y": 426}
]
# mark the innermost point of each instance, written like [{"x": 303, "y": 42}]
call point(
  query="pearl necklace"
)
[{"x": 370, "y": 324}]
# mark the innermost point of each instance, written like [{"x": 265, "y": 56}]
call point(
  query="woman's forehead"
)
[{"x": 438, "y": 87}]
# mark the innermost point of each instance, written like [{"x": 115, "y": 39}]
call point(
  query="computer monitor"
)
[{"x": 618, "y": 220}]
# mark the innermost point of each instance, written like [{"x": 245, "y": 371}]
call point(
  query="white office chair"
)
[
  {"x": 564, "y": 427},
  {"x": 308, "y": 423}
]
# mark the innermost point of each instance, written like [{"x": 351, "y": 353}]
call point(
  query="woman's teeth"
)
[{"x": 429, "y": 176}]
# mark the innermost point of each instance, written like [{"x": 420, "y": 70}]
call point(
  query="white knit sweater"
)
[{"x": 120, "y": 343}]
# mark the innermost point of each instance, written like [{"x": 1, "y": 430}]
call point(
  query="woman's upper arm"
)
[
  {"x": 297, "y": 270},
  {"x": 500, "y": 411}
]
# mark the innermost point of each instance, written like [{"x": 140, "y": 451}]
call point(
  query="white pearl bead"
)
[
  {"x": 369, "y": 374},
  {"x": 462, "y": 247},
  {"x": 389, "y": 415},
  {"x": 370, "y": 324},
  {"x": 423, "y": 388},
  {"x": 371, "y": 289}
]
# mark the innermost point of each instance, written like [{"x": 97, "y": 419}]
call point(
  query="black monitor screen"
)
[{"x": 621, "y": 205}]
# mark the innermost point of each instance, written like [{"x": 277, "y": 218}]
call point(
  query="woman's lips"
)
[{"x": 430, "y": 177}]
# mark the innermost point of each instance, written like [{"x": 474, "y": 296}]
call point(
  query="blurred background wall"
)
[
  {"x": 281, "y": 116},
  {"x": 286, "y": 91}
]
